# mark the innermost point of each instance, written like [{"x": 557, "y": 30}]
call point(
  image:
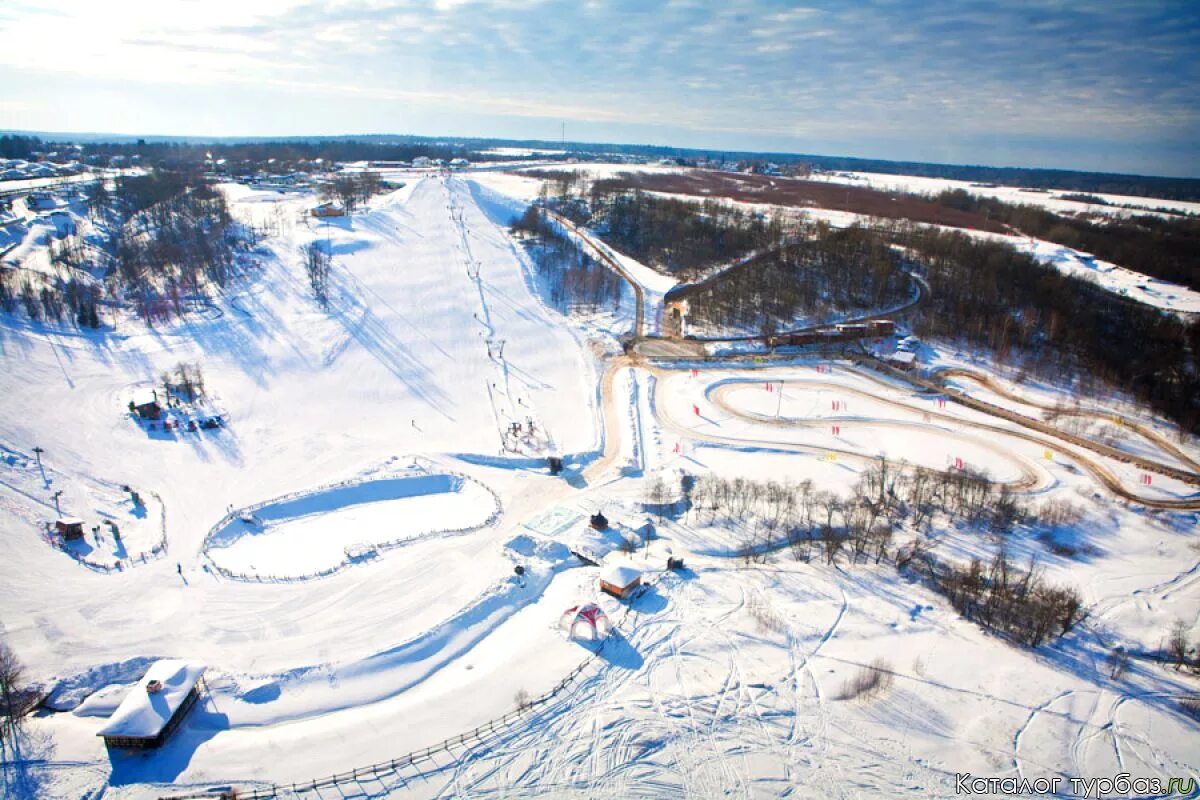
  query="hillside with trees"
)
[
  {"x": 570, "y": 279},
  {"x": 1163, "y": 248},
  {"x": 157, "y": 242}
]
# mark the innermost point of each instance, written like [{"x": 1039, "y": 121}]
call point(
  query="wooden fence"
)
[{"x": 388, "y": 545}]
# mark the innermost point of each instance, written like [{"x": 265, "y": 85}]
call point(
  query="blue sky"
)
[{"x": 1109, "y": 86}]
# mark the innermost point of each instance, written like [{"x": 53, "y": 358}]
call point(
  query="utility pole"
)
[
  {"x": 56, "y": 495},
  {"x": 37, "y": 451}
]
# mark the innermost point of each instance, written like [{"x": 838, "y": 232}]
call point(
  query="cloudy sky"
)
[{"x": 1110, "y": 85}]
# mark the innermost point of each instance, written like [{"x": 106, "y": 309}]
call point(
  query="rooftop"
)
[
  {"x": 144, "y": 714},
  {"x": 144, "y": 397},
  {"x": 620, "y": 575}
]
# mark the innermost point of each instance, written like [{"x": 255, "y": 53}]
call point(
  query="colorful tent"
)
[{"x": 585, "y": 621}]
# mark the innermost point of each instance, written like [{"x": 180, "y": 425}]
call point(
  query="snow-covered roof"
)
[
  {"x": 620, "y": 575},
  {"x": 143, "y": 714},
  {"x": 902, "y": 357},
  {"x": 70, "y": 520},
  {"x": 144, "y": 397}
]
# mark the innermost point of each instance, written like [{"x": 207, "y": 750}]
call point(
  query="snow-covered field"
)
[
  {"x": 1053, "y": 200},
  {"x": 380, "y": 423}
]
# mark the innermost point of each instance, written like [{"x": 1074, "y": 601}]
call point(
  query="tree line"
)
[
  {"x": 570, "y": 277},
  {"x": 988, "y": 294},
  {"x": 675, "y": 236},
  {"x": 984, "y": 294},
  {"x": 819, "y": 277},
  {"x": 244, "y": 157},
  {"x": 861, "y": 526},
  {"x": 1156, "y": 246},
  {"x": 159, "y": 240}
]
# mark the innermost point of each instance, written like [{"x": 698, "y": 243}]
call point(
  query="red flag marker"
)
[{"x": 696, "y": 410}]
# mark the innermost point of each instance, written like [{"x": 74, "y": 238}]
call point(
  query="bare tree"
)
[
  {"x": 1177, "y": 644},
  {"x": 12, "y": 678},
  {"x": 317, "y": 262}
]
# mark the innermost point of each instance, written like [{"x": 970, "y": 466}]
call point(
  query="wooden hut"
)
[
  {"x": 620, "y": 580},
  {"x": 145, "y": 404},
  {"x": 69, "y": 527},
  {"x": 598, "y": 521},
  {"x": 154, "y": 707}
]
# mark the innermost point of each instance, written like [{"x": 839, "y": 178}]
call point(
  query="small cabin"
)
[
  {"x": 620, "y": 581},
  {"x": 902, "y": 359},
  {"x": 598, "y": 521},
  {"x": 145, "y": 404},
  {"x": 69, "y": 527},
  {"x": 155, "y": 706},
  {"x": 881, "y": 327}
]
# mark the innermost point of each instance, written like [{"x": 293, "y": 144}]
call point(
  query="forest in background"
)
[
  {"x": 1153, "y": 245},
  {"x": 983, "y": 294}
]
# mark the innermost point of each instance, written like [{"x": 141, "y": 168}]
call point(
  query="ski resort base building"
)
[{"x": 154, "y": 707}]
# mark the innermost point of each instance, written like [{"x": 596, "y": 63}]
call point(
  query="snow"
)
[
  {"x": 144, "y": 713},
  {"x": 144, "y": 397},
  {"x": 522, "y": 151},
  {"x": 1110, "y": 277},
  {"x": 620, "y": 575},
  {"x": 378, "y": 422},
  {"x": 1011, "y": 194},
  {"x": 311, "y": 534}
]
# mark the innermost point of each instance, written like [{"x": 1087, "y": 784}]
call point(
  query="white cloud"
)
[{"x": 965, "y": 69}]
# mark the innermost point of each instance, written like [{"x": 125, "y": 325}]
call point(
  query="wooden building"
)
[
  {"x": 69, "y": 527},
  {"x": 902, "y": 359},
  {"x": 153, "y": 709},
  {"x": 620, "y": 580},
  {"x": 145, "y": 404}
]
